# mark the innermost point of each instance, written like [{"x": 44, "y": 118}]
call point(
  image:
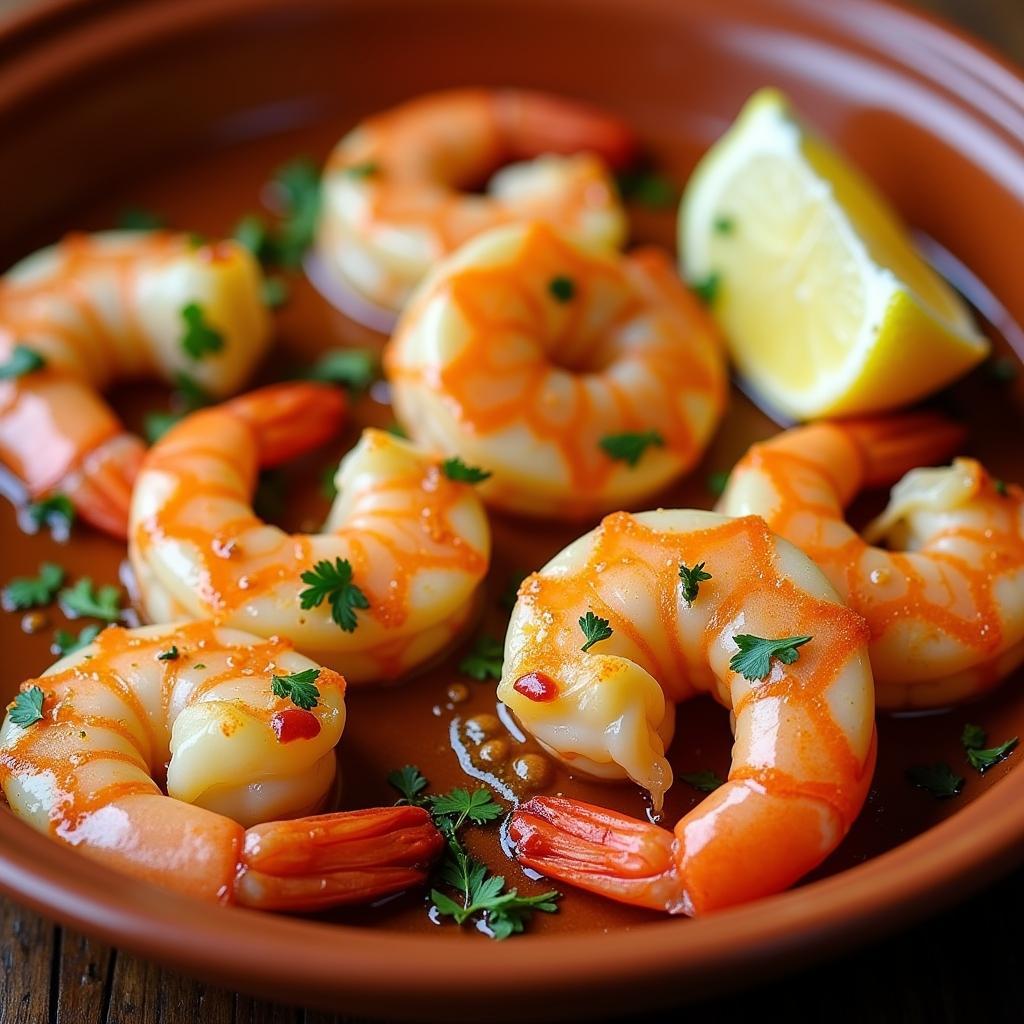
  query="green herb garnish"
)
[
  {"x": 34, "y": 591},
  {"x": 692, "y": 579},
  {"x": 461, "y": 805},
  {"x": 718, "y": 481},
  {"x": 333, "y": 583},
  {"x": 364, "y": 170},
  {"x": 938, "y": 779},
  {"x": 485, "y": 659},
  {"x": 595, "y": 629},
  {"x": 65, "y": 643},
  {"x": 299, "y": 687},
  {"x": 137, "y": 218},
  {"x": 973, "y": 737},
  {"x": 275, "y": 292},
  {"x": 753, "y": 660},
  {"x": 352, "y": 368},
  {"x": 200, "y": 338},
  {"x": 171, "y": 654},
  {"x": 723, "y": 225},
  {"x": 297, "y": 186},
  {"x": 705, "y": 781},
  {"x": 410, "y": 782},
  {"x": 707, "y": 288},
  {"x": 562, "y": 288},
  {"x": 27, "y": 708},
  {"x": 455, "y": 469},
  {"x": 629, "y": 447},
  {"x": 84, "y": 599},
  {"x": 57, "y": 512},
  {"x": 647, "y": 188},
  {"x": 21, "y": 361}
]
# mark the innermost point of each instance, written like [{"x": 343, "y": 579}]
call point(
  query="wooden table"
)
[{"x": 965, "y": 965}]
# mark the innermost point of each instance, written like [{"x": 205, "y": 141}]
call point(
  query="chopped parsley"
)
[
  {"x": 353, "y": 368},
  {"x": 485, "y": 659},
  {"x": 562, "y": 288},
  {"x": 973, "y": 737},
  {"x": 691, "y": 580},
  {"x": 158, "y": 423},
  {"x": 723, "y": 225},
  {"x": 57, "y": 512},
  {"x": 1001, "y": 489},
  {"x": 981, "y": 758},
  {"x": 296, "y": 186},
  {"x": 457, "y": 470},
  {"x": 646, "y": 188},
  {"x": 630, "y": 447},
  {"x": 22, "y": 360},
  {"x": 200, "y": 338},
  {"x": 753, "y": 660},
  {"x": 708, "y": 287},
  {"x": 252, "y": 233},
  {"x": 27, "y": 708},
  {"x": 367, "y": 169},
  {"x": 299, "y": 687},
  {"x": 34, "y": 591},
  {"x": 704, "y": 781},
  {"x": 275, "y": 292},
  {"x": 65, "y": 643},
  {"x": 328, "y": 488},
  {"x": 397, "y": 430},
  {"x": 718, "y": 481},
  {"x": 85, "y": 599},
  {"x": 171, "y": 654},
  {"x": 938, "y": 779},
  {"x": 595, "y": 629},
  {"x": 333, "y": 583},
  {"x": 138, "y": 218}
]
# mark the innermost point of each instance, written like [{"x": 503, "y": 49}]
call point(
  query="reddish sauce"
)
[
  {"x": 537, "y": 686},
  {"x": 294, "y": 724}
]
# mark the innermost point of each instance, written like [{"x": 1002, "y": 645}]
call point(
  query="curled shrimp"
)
[
  {"x": 804, "y": 731},
  {"x": 945, "y": 597},
  {"x": 529, "y": 356},
  {"x": 107, "y": 307},
  {"x": 394, "y": 200},
  {"x": 415, "y": 543},
  {"x": 193, "y": 705}
]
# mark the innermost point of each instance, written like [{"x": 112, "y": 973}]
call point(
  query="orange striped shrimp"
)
[
  {"x": 393, "y": 192},
  {"x": 400, "y": 562},
  {"x": 547, "y": 365},
  {"x": 84, "y": 748},
  {"x": 96, "y": 309},
  {"x": 609, "y": 636},
  {"x": 945, "y": 597}
]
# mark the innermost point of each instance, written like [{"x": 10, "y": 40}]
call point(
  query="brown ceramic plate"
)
[{"x": 187, "y": 105}]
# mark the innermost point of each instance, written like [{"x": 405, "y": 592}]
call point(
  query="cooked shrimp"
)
[
  {"x": 404, "y": 546},
  {"x": 394, "y": 201},
  {"x": 194, "y": 705},
  {"x": 536, "y": 360},
  {"x": 107, "y": 307},
  {"x": 946, "y": 603},
  {"x": 804, "y": 721}
]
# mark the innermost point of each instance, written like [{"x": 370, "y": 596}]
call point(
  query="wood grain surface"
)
[{"x": 966, "y": 965}]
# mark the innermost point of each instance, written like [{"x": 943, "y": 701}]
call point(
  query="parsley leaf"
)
[
  {"x": 692, "y": 579},
  {"x": 274, "y": 291},
  {"x": 753, "y": 660},
  {"x": 65, "y": 643},
  {"x": 299, "y": 687},
  {"x": 410, "y": 782},
  {"x": 595, "y": 629},
  {"x": 157, "y": 423},
  {"x": 252, "y": 233},
  {"x": 34, "y": 591},
  {"x": 137, "y": 218},
  {"x": 171, "y": 654},
  {"x": 973, "y": 737},
  {"x": 646, "y": 188},
  {"x": 938, "y": 779},
  {"x": 27, "y": 708},
  {"x": 479, "y": 807},
  {"x": 485, "y": 659},
  {"x": 455, "y": 469},
  {"x": 352, "y": 368},
  {"x": 982, "y": 760},
  {"x": 629, "y": 447},
  {"x": 297, "y": 188},
  {"x": 562, "y": 288},
  {"x": 707, "y": 288},
  {"x": 334, "y": 583},
  {"x": 22, "y": 360},
  {"x": 57, "y": 512},
  {"x": 85, "y": 600},
  {"x": 705, "y": 781},
  {"x": 200, "y": 338},
  {"x": 718, "y": 481}
]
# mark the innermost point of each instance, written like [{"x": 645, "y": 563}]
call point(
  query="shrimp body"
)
[
  {"x": 804, "y": 734},
  {"x": 525, "y": 353},
  {"x": 394, "y": 200},
  {"x": 945, "y": 597},
  {"x": 192, "y": 706},
  {"x": 104, "y": 308},
  {"x": 417, "y": 543}
]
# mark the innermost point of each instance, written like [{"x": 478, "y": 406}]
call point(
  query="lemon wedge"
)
[{"x": 827, "y": 308}]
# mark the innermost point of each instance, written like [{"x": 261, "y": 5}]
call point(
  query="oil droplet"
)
[
  {"x": 33, "y": 622},
  {"x": 879, "y": 576},
  {"x": 482, "y": 727},
  {"x": 458, "y": 692},
  {"x": 533, "y": 769},
  {"x": 494, "y": 751}
]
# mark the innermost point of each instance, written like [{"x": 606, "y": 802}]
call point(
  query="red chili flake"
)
[
  {"x": 294, "y": 724},
  {"x": 537, "y": 686}
]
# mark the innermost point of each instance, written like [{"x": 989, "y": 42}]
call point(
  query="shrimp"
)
[
  {"x": 533, "y": 358},
  {"x": 96, "y": 309},
  {"x": 194, "y": 705},
  {"x": 946, "y": 603},
  {"x": 804, "y": 721},
  {"x": 402, "y": 556},
  {"x": 394, "y": 201}
]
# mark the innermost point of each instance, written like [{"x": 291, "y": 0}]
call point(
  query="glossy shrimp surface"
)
[
  {"x": 804, "y": 733},
  {"x": 417, "y": 543},
  {"x": 525, "y": 354},
  {"x": 103, "y": 308},
  {"x": 944, "y": 594},
  {"x": 395, "y": 188},
  {"x": 191, "y": 707}
]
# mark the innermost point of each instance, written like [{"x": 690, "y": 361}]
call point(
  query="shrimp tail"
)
[
  {"x": 100, "y": 487},
  {"x": 599, "y": 850},
  {"x": 893, "y": 445},
  {"x": 535, "y": 123},
  {"x": 290, "y": 419},
  {"x": 336, "y": 859}
]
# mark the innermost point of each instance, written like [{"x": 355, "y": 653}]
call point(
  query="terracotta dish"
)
[{"x": 187, "y": 106}]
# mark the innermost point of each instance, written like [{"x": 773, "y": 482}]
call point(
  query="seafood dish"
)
[{"x": 499, "y": 531}]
